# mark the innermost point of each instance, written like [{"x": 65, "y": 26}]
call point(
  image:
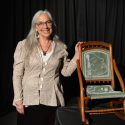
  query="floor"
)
[
  {"x": 68, "y": 116},
  {"x": 71, "y": 116},
  {"x": 8, "y": 119}
]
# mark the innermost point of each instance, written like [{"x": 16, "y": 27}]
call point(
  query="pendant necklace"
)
[{"x": 44, "y": 52}]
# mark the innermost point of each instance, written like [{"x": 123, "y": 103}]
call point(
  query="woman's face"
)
[{"x": 44, "y": 26}]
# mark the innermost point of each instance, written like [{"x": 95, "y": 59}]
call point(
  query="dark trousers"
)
[{"x": 37, "y": 115}]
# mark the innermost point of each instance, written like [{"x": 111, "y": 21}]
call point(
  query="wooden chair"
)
[{"x": 97, "y": 73}]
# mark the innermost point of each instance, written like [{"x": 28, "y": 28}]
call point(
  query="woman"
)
[{"x": 38, "y": 61}]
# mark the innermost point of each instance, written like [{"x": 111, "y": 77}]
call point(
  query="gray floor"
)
[
  {"x": 69, "y": 117},
  {"x": 8, "y": 119}
]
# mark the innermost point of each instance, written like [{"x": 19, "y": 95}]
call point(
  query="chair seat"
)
[{"x": 103, "y": 91}]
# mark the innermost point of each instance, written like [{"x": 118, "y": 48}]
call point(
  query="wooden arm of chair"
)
[
  {"x": 118, "y": 75},
  {"x": 82, "y": 90},
  {"x": 80, "y": 76}
]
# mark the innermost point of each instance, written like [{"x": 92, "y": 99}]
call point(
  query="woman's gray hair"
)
[{"x": 31, "y": 39}]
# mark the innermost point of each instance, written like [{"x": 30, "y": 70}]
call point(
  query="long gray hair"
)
[{"x": 31, "y": 39}]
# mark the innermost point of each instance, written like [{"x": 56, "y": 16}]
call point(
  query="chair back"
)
[{"x": 96, "y": 62}]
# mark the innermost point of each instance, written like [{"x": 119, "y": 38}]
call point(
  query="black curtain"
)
[{"x": 76, "y": 20}]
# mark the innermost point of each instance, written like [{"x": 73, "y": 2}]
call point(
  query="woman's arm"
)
[
  {"x": 18, "y": 72},
  {"x": 70, "y": 65}
]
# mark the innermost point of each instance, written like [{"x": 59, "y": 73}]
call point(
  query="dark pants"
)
[{"x": 37, "y": 115}]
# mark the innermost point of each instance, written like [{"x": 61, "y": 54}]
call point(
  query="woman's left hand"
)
[{"x": 76, "y": 56}]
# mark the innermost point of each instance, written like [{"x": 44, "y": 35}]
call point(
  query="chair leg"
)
[
  {"x": 121, "y": 114},
  {"x": 124, "y": 105},
  {"x": 83, "y": 114},
  {"x": 85, "y": 120},
  {"x": 83, "y": 103},
  {"x": 83, "y": 111}
]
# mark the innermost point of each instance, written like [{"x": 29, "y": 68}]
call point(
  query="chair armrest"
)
[
  {"x": 118, "y": 75},
  {"x": 79, "y": 75}
]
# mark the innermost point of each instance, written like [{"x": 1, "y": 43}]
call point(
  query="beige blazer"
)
[{"x": 37, "y": 82}]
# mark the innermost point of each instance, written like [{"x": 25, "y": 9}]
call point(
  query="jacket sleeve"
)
[
  {"x": 69, "y": 66},
  {"x": 18, "y": 71}
]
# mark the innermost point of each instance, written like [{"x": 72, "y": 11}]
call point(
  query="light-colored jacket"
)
[{"x": 37, "y": 82}]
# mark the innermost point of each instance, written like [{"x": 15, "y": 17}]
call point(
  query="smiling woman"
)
[{"x": 38, "y": 61}]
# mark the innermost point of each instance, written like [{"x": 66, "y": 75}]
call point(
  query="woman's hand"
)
[
  {"x": 77, "y": 56},
  {"x": 20, "y": 107}
]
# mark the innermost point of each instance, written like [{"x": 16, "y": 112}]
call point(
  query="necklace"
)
[{"x": 45, "y": 51}]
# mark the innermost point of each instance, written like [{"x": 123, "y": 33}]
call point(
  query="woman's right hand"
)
[{"x": 20, "y": 107}]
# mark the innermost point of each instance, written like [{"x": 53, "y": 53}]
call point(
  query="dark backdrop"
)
[{"x": 76, "y": 20}]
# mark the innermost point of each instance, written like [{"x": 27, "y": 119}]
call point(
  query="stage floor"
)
[
  {"x": 71, "y": 116},
  {"x": 68, "y": 115}
]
